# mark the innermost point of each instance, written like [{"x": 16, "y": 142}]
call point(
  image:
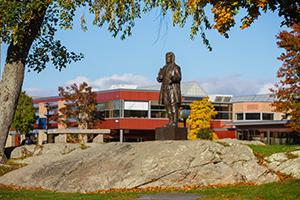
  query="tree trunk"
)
[
  {"x": 11, "y": 84},
  {"x": 13, "y": 75}
]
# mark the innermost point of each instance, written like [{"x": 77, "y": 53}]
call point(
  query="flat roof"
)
[
  {"x": 253, "y": 98},
  {"x": 190, "y": 89}
]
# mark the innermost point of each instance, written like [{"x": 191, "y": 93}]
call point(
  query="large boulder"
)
[
  {"x": 287, "y": 163},
  {"x": 230, "y": 141},
  {"x": 138, "y": 165}
]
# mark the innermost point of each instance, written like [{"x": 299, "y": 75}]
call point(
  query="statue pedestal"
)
[{"x": 170, "y": 133}]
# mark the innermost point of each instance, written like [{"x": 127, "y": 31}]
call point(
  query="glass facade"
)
[
  {"x": 141, "y": 109},
  {"x": 224, "y": 111},
  {"x": 268, "y": 116},
  {"x": 158, "y": 111},
  {"x": 137, "y": 109},
  {"x": 152, "y": 109},
  {"x": 239, "y": 116},
  {"x": 254, "y": 116},
  {"x": 110, "y": 109},
  {"x": 136, "y": 113}
]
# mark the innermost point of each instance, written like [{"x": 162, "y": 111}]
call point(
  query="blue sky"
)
[{"x": 246, "y": 63}]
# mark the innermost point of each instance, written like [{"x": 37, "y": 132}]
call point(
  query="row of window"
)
[
  {"x": 138, "y": 109},
  {"x": 131, "y": 109},
  {"x": 254, "y": 116},
  {"x": 113, "y": 109}
]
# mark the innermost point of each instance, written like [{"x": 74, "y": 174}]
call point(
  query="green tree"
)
[
  {"x": 28, "y": 28},
  {"x": 24, "y": 117},
  {"x": 200, "y": 119}
]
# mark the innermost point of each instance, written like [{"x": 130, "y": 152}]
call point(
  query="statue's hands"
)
[{"x": 160, "y": 76}]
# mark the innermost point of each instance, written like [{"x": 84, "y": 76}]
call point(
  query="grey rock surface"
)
[
  {"x": 69, "y": 168},
  {"x": 230, "y": 141},
  {"x": 286, "y": 163}
]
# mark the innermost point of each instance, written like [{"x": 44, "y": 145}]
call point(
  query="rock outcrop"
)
[
  {"x": 230, "y": 141},
  {"x": 286, "y": 163},
  {"x": 71, "y": 168}
]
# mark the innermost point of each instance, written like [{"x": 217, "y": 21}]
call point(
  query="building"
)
[
  {"x": 255, "y": 119},
  {"x": 135, "y": 113}
]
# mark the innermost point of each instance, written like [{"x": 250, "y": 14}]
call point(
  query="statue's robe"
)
[{"x": 170, "y": 77}]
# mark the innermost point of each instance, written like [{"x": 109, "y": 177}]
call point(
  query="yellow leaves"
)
[
  {"x": 192, "y": 4},
  {"x": 246, "y": 23},
  {"x": 192, "y": 136},
  {"x": 225, "y": 11},
  {"x": 214, "y": 136},
  {"x": 200, "y": 116},
  {"x": 224, "y": 15}
]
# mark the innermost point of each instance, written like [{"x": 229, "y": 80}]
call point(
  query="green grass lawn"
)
[
  {"x": 11, "y": 194},
  {"x": 268, "y": 150},
  {"x": 288, "y": 189}
]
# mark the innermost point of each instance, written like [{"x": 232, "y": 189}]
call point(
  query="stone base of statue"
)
[{"x": 170, "y": 133}]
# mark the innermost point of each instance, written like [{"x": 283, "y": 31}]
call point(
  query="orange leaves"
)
[
  {"x": 170, "y": 188},
  {"x": 80, "y": 104},
  {"x": 287, "y": 90},
  {"x": 224, "y": 15}
]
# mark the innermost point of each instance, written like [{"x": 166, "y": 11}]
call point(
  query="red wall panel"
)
[
  {"x": 132, "y": 95},
  {"x": 132, "y": 123},
  {"x": 226, "y": 134}
]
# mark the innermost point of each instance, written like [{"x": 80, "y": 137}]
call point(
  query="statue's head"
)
[{"x": 170, "y": 57}]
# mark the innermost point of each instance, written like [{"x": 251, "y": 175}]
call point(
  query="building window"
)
[
  {"x": 222, "y": 107},
  {"x": 116, "y": 113},
  {"x": 223, "y": 115},
  {"x": 136, "y": 109},
  {"x": 136, "y": 113},
  {"x": 158, "y": 111},
  {"x": 110, "y": 109},
  {"x": 239, "y": 116},
  {"x": 268, "y": 116},
  {"x": 224, "y": 111},
  {"x": 252, "y": 116}
]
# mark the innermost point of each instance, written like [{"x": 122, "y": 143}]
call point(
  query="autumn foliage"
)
[
  {"x": 225, "y": 12},
  {"x": 287, "y": 92},
  {"x": 200, "y": 119},
  {"x": 80, "y": 103}
]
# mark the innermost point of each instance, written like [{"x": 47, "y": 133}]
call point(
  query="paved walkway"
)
[{"x": 170, "y": 196}]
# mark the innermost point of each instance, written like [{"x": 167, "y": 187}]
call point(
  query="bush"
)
[{"x": 205, "y": 134}]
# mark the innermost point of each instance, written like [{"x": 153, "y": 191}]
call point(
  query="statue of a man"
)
[{"x": 170, "y": 94}]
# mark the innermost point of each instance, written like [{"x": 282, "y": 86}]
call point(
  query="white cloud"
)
[
  {"x": 38, "y": 92},
  {"x": 101, "y": 83},
  {"x": 234, "y": 85},
  {"x": 107, "y": 82},
  {"x": 265, "y": 89},
  {"x": 78, "y": 79}
]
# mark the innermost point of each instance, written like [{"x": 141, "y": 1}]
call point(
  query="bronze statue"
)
[{"x": 170, "y": 94}]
